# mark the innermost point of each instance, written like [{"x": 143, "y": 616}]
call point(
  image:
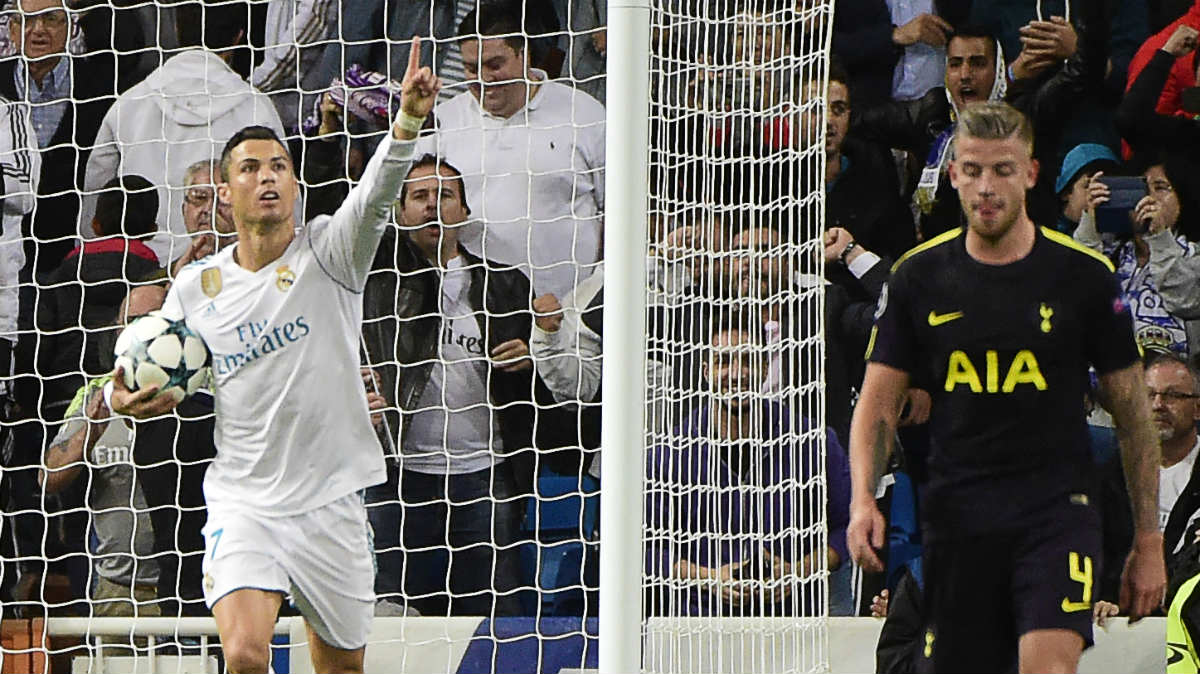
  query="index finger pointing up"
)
[{"x": 414, "y": 56}]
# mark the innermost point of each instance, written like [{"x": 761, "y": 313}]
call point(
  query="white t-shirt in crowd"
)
[
  {"x": 292, "y": 428},
  {"x": 454, "y": 430},
  {"x": 1171, "y": 483},
  {"x": 535, "y": 181}
]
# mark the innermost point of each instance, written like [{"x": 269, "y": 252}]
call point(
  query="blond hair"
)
[{"x": 994, "y": 121}]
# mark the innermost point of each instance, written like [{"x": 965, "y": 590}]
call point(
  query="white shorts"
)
[{"x": 323, "y": 558}]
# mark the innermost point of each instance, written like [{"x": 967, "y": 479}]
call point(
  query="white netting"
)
[
  {"x": 488, "y": 523},
  {"x": 736, "y": 529}
]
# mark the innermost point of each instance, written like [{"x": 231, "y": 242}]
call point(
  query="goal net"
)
[
  {"x": 736, "y": 532},
  {"x": 483, "y": 323}
]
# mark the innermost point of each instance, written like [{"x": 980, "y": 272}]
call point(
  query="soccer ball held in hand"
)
[{"x": 156, "y": 351}]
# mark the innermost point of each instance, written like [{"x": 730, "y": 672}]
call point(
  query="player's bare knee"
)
[{"x": 246, "y": 656}]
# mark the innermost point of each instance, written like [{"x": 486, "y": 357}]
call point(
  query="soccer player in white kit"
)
[{"x": 281, "y": 312}]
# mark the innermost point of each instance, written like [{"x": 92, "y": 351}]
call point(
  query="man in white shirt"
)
[
  {"x": 183, "y": 112},
  {"x": 1173, "y": 388},
  {"x": 531, "y": 152},
  {"x": 281, "y": 313},
  {"x": 1174, "y": 393}
]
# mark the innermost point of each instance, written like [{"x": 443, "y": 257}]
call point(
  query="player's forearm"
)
[
  {"x": 870, "y": 445},
  {"x": 873, "y": 428},
  {"x": 1140, "y": 450},
  {"x": 1141, "y": 457}
]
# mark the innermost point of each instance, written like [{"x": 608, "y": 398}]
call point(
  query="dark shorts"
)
[{"x": 983, "y": 593}]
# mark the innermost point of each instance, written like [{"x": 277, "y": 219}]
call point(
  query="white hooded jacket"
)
[{"x": 182, "y": 113}]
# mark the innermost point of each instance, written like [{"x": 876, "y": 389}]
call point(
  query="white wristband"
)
[{"x": 409, "y": 123}]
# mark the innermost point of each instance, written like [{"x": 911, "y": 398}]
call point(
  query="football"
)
[{"x": 156, "y": 351}]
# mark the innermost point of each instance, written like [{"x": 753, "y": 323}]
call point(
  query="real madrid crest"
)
[
  {"x": 284, "y": 278},
  {"x": 210, "y": 281}
]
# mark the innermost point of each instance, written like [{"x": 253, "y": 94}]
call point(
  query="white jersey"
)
[{"x": 292, "y": 428}]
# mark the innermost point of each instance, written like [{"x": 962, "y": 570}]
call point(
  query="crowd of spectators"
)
[{"x": 483, "y": 316}]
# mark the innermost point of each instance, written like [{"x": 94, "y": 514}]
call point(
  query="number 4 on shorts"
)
[{"x": 1081, "y": 575}]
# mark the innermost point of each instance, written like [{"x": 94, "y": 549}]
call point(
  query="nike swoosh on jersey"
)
[{"x": 936, "y": 319}]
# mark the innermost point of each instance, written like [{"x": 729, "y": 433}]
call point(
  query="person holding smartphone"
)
[{"x": 1157, "y": 258}]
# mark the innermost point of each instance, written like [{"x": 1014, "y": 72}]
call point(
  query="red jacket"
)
[{"x": 1183, "y": 73}]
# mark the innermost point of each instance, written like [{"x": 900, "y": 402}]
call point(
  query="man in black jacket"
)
[
  {"x": 455, "y": 330},
  {"x": 1174, "y": 391},
  {"x": 862, "y": 190}
]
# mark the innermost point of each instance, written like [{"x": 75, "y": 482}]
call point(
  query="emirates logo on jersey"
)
[{"x": 284, "y": 278}]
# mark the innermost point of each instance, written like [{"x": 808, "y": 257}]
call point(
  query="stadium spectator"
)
[
  {"x": 855, "y": 167},
  {"x": 130, "y": 31},
  {"x": 82, "y": 294},
  {"x": 1181, "y": 73},
  {"x": 206, "y": 218},
  {"x": 849, "y": 315},
  {"x": 531, "y": 151},
  {"x": 1138, "y": 117},
  {"x": 924, "y": 128},
  {"x": 181, "y": 113},
  {"x": 587, "y": 44},
  {"x": 883, "y": 43},
  {"x": 459, "y": 327},
  {"x": 1081, "y": 163},
  {"x": 1173, "y": 387},
  {"x": 68, "y": 96},
  {"x": 921, "y": 33},
  {"x": 297, "y": 34},
  {"x": 1052, "y": 95},
  {"x": 733, "y": 555},
  {"x": 566, "y": 347},
  {"x": 1044, "y": 33},
  {"x": 91, "y": 448},
  {"x": 21, "y": 167},
  {"x": 1158, "y": 263}
]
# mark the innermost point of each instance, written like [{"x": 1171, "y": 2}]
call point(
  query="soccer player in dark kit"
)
[{"x": 1004, "y": 319}]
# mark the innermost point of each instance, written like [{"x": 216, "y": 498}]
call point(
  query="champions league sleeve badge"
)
[{"x": 210, "y": 281}]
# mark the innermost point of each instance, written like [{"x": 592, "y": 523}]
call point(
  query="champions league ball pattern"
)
[{"x": 156, "y": 351}]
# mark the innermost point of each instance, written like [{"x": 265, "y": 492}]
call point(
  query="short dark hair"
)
[
  {"x": 127, "y": 205},
  {"x": 255, "y": 132},
  {"x": 438, "y": 164},
  {"x": 973, "y": 32},
  {"x": 212, "y": 24},
  {"x": 838, "y": 73},
  {"x": 497, "y": 18}
]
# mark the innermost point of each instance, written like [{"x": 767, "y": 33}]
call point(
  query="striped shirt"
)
[
  {"x": 452, "y": 72},
  {"x": 49, "y": 101}
]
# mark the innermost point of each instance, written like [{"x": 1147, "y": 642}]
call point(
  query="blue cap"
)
[{"x": 1080, "y": 156}]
